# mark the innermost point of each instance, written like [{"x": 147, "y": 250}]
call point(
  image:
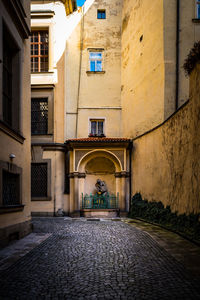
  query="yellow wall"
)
[
  {"x": 142, "y": 66},
  {"x": 149, "y": 66},
  {"x": 166, "y": 161},
  {"x": 96, "y": 90}
]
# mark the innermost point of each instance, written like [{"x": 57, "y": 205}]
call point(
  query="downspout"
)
[
  {"x": 130, "y": 173},
  {"x": 177, "y": 53},
  {"x": 80, "y": 65}
]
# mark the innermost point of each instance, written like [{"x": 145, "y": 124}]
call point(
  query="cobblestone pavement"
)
[{"x": 96, "y": 260}]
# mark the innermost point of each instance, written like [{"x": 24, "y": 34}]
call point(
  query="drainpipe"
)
[
  {"x": 80, "y": 65},
  {"x": 130, "y": 173},
  {"x": 177, "y": 52}
]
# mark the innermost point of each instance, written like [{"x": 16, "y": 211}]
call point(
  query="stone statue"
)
[{"x": 101, "y": 187}]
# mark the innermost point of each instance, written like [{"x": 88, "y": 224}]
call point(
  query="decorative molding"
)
[
  {"x": 42, "y": 14},
  {"x": 11, "y": 132},
  {"x": 76, "y": 175}
]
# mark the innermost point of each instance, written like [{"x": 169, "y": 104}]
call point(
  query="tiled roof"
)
[{"x": 98, "y": 139}]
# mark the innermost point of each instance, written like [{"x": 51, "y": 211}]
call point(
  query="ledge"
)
[
  {"x": 45, "y": 14},
  {"x": 41, "y": 199},
  {"x": 11, "y": 208},
  {"x": 196, "y": 20},
  {"x": 95, "y": 72},
  {"x": 11, "y": 132}
]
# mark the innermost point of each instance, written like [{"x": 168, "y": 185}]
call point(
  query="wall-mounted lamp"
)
[{"x": 11, "y": 156}]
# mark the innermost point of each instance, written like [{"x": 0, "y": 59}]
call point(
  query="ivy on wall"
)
[
  {"x": 155, "y": 212},
  {"x": 192, "y": 59}
]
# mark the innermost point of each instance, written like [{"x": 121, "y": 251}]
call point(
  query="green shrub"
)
[{"x": 155, "y": 212}]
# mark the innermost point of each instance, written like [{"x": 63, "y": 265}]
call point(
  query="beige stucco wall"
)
[
  {"x": 87, "y": 94},
  {"x": 166, "y": 161},
  {"x": 56, "y": 178},
  {"x": 9, "y": 145}
]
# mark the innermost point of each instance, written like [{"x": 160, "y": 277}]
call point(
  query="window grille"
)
[
  {"x": 11, "y": 188},
  {"x": 39, "y": 115},
  {"x": 101, "y": 14},
  {"x": 39, "y": 51},
  {"x": 38, "y": 180}
]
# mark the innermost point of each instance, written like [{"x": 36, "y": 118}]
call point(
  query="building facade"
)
[
  {"x": 103, "y": 75},
  {"x": 15, "y": 213}
]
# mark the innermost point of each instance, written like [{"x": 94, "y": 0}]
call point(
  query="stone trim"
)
[
  {"x": 77, "y": 175},
  {"x": 11, "y": 132},
  {"x": 122, "y": 174}
]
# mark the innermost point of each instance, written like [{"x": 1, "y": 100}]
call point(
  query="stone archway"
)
[{"x": 104, "y": 165}]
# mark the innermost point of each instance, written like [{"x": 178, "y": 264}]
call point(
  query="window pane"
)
[
  {"x": 39, "y": 51},
  {"x": 101, "y": 14},
  {"x": 198, "y": 11},
  {"x": 92, "y": 66},
  {"x": 100, "y": 128},
  {"x": 95, "y": 55},
  {"x": 99, "y": 65},
  {"x": 93, "y": 127},
  {"x": 39, "y": 116}
]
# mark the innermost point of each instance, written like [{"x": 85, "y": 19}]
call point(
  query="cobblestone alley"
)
[{"x": 96, "y": 260}]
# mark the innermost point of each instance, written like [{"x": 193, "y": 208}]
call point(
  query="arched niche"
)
[
  {"x": 99, "y": 168},
  {"x": 99, "y": 164}
]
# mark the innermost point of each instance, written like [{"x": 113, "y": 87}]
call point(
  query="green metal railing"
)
[{"x": 100, "y": 201}]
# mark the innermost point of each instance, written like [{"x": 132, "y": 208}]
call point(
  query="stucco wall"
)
[
  {"x": 10, "y": 145},
  {"x": 166, "y": 163},
  {"x": 149, "y": 41},
  {"x": 94, "y": 94},
  {"x": 142, "y": 66}
]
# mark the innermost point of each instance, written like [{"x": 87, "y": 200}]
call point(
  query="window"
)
[
  {"x": 38, "y": 180},
  {"x": 101, "y": 14},
  {"x": 11, "y": 189},
  {"x": 39, "y": 116},
  {"x": 11, "y": 80},
  {"x": 39, "y": 51},
  {"x": 97, "y": 128},
  {"x": 95, "y": 61},
  {"x": 198, "y": 9}
]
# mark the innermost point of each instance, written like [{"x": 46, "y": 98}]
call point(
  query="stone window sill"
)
[
  {"x": 11, "y": 132},
  {"x": 41, "y": 199},
  {"x": 196, "y": 20},
  {"x": 95, "y": 72},
  {"x": 11, "y": 208}
]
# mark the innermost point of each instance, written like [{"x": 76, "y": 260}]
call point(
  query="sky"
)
[{"x": 80, "y": 2}]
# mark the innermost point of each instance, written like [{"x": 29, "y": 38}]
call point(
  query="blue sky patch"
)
[{"x": 80, "y": 2}]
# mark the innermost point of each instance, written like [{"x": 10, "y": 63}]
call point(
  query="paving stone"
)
[{"x": 96, "y": 260}]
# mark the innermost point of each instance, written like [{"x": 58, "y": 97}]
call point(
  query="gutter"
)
[{"x": 177, "y": 53}]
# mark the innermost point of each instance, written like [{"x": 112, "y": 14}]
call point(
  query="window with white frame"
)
[
  {"x": 95, "y": 61},
  {"x": 198, "y": 9},
  {"x": 97, "y": 127}
]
